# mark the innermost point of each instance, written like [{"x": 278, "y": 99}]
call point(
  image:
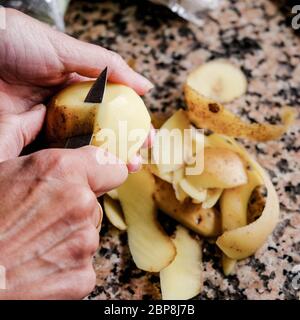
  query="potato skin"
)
[
  {"x": 63, "y": 122},
  {"x": 206, "y": 222}
]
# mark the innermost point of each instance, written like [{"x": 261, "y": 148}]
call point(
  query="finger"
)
[
  {"x": 89, "y": 60},
  {"x": 17, "y": 131},
  {"x": 135, "y": 164},
  {"x": 90, "y": 165}
]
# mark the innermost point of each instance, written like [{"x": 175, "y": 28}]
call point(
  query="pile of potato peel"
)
[{"x": 214, "y": 204}]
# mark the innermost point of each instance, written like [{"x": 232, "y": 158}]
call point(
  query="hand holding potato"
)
[
  {"x": 51, "y": 61},
  {"x": 48, "y": 220}
]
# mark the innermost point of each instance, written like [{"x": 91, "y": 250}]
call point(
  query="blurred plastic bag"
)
[
  {"x": 49, "y": 11},
  {"x": 191, "y": 10}
]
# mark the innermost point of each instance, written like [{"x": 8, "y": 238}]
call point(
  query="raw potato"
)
[
  {"x": 207, "y": 113},
  {"x": 223, "y": 168},
  {"x": 218, "y": 80},
  {"x": 233, "y": 206},
  {"x": 123, "y": 113},
  {"x": 114, "y": 212},
  {"x": 170, "y": 159},
  {"x": 206, "y": 222},
  {"x": 245, "y": 241},
  {"x": 68, "y": 115},
  {"x": 182, "y": 279},
  {"x": 151, "y": 249}
]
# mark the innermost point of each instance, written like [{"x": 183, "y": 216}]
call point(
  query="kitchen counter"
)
[{"x": 253, "y": 35}]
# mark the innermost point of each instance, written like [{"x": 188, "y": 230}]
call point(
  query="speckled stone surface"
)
[{"x": 163, "y": 47}]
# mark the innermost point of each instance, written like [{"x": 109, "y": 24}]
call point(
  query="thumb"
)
[{"x": 18, "y": 130}]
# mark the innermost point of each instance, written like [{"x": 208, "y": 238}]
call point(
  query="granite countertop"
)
[{"x": 255, "y": 36}]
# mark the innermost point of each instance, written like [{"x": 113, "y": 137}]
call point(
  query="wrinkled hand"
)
[
  {"x": 35, "y": 61},
  {"x": 48, "y": 220}
]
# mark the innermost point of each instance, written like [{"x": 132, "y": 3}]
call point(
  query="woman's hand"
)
[
  {"x": 48, "y": 218},
  {"x": 35, "y": 61}
]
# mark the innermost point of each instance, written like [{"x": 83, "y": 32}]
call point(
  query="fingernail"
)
[
  {"x": 38, "y": 107},
  {"x": 135, "y": 164},
  {"x": 145, "y": 82}
]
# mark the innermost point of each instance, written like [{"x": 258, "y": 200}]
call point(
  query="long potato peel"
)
[
  {"x": 182, "y": 279},
  {"x": 150, "y": 247},
  {"x": 208, "y": 114},
  {"x": 233, "y": 207},
  {"x": 245, "y": 241}
]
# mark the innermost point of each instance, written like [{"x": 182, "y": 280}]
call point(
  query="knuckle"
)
[
  {"x": 115, "y": 57},
  {"x": 85, "y": 244},
  {"x": 84, "y": 201},
  {"x": 52, "y": 162},
  {"x": 87, "y": 280}
]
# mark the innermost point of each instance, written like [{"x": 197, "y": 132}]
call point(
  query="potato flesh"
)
[
  {"x": 222, "y": 169},
  {"x": 219, "y": 80},
  {"x": 123, "y": 113},
  {"x": 182, "y": 279},
  {"x": 172, "y": 158},
  {"x": 202, "y": 221},
  {"x": 151, "y": 249},
  {"x": 206, "y": 113},
  {"x": 114, "y": 212}
]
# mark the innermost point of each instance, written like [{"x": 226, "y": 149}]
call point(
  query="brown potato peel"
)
[{"x": 208, "y": 114}]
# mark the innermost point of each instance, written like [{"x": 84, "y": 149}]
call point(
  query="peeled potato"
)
[
  {"x": 206, "y": 222},
  {"x": 68, "y": 115},
  {"x": 151, "y": 248},
  {"x": 182, "y": 279},
  {"x": 245, "y": 241},
  {"x": 223, "y": 168},
  {"x": 114, "y": 212},
  {"x": 123, "y": 113},
  {"x": 207, "y": 113},
  {"x": 218, "y": 80},
  {"x": 167, "y": 155}
]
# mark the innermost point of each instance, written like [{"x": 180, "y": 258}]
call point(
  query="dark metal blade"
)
[
  {"x": 96, "y": 93},
  {"x": 79, "y": 141}
]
